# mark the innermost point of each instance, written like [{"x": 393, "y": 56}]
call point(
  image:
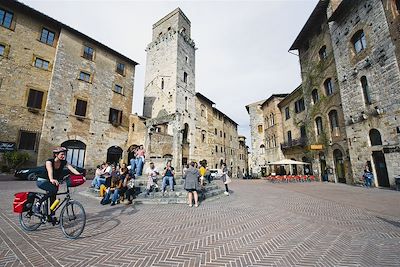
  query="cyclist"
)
[{"x": 48, "y": 180}]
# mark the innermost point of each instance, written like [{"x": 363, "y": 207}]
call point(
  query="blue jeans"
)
[
  {"x": 368, "y": 182},
  {"x": 133, "y": 166},
  {"x": 139, "y": 166},
  {"x": 97, "y": 181},
  {"x": 49, "y": 187},
  {"x": 114, "y": 195},
  {"x": 170, "y": 181}
]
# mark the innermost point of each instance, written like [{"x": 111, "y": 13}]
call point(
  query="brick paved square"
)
[{"x": 259, "y": 224}]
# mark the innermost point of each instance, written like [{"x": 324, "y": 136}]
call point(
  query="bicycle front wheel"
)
[{"x": 73, "y": 219}]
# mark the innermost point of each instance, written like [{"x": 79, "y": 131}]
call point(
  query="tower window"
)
[
  {"x": 162, "y": 83},
  {"x": 185, "y": 77},
  {"x": 359, "y": 41},
  {"x": 318, "y": 124},
  {"x": 315, "y": 96},
  {"x": 322, "y": 53},
  {"x": 364, "y": 85},
  {"x": 328, "y": 86},
  {"x": 287, "y": 113}
]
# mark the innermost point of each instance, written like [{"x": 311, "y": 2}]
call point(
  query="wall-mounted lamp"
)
[{"x": 344, "y": 78}]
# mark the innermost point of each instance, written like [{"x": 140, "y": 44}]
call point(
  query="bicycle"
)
[{"x": 34, "y": 211}]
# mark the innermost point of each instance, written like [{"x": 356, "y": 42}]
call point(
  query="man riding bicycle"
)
[{"x": 49, "y": 179}]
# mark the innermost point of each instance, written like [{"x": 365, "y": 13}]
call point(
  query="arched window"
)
[
  {"x": 318, "y": 125},
  {"x": 359, "y": 41},
  {"x": 203, "y": 136},
  {"x": 186, "y": 103},
  {"x": 333, "y": 119},
  {"x": 315, "y": 96},
  {"x": 162, "y": 83},
  {"x": 328, "y": 86},
  {"x": 398, "y": 5},
  {"x": 76, "y": 152},
  {"x": 365, "y": 88},
  {"x": 272, "y": 119},
  {"x": 259, "y": 128},
  {"x": 375, "y": 137},
  {"x": 203, "y": 111},
  {"x": 322, "y": 53},
  {"x": 262, "y": 149}
]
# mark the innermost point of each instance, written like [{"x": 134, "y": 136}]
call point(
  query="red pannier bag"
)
[
  {"x": 23, "y": 201},
  {"x": 75, "y": 180}
]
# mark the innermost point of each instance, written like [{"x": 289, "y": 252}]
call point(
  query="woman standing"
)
[
  {"x": 225, "y": 178},
  {"x": 191, "y": 185}
]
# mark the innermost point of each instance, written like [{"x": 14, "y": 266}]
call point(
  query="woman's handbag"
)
[{"x": 227, "y": 179}]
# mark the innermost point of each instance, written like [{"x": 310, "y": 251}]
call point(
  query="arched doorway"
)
[
  {"x": 379, "y": 159},
  {"x": 339, "y": 166},
  {"x": 76, "y": 152},
  {"x": 114, "y": 154}
]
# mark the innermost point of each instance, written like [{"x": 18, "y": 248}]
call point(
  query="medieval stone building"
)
[
  {"x": 61, "y": 87},
  {"x": 344, "y": 115},
  {"x": 179, "y": 123},
  {"x": 365, "y": 42},
  {"x": 266, "y": 122}
]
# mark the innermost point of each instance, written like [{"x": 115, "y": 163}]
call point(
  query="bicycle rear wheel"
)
[
  {"x": 73, "y": 219},
  {"x": 29, "y": 220}
]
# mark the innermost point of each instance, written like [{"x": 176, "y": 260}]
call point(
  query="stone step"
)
[{"x": 182, "y": 199}]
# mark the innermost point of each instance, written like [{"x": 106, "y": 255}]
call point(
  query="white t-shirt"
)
[{"x": 152, "y": 172}]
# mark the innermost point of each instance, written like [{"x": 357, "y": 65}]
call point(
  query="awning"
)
[{"x": 288, "y": 162}]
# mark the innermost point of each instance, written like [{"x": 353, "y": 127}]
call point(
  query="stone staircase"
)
[{"x": 178, "y": 196}]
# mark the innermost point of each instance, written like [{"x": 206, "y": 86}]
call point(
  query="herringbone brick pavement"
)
[{"x": 259, "y": 224}]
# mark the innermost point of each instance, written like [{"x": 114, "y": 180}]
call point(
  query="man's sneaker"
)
[{"x": 226, "y": 193}]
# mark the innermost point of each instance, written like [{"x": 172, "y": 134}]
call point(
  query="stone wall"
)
[
  {"x": 94, "y": 130},
  {"x": 257, "y": 137},
  {"x": 378, "y": 63},
  {"x": 273, "y": 129},
  {"x": 18, "y": 75}
]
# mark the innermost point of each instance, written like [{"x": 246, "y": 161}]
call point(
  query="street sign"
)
[
  {"x": 316, "y": 147},
  {"x": 7, "y": 146}
]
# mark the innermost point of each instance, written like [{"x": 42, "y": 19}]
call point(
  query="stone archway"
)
[{"x": 114, "y": 154}]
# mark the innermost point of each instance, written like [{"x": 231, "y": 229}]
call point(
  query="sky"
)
[{"x": 242, "y": 54}]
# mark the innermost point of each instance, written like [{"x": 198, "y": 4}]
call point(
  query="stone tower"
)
[{"x": 169, "y": 93}]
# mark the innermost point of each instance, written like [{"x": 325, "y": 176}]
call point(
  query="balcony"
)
[{"x": 301, "y": 142}]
